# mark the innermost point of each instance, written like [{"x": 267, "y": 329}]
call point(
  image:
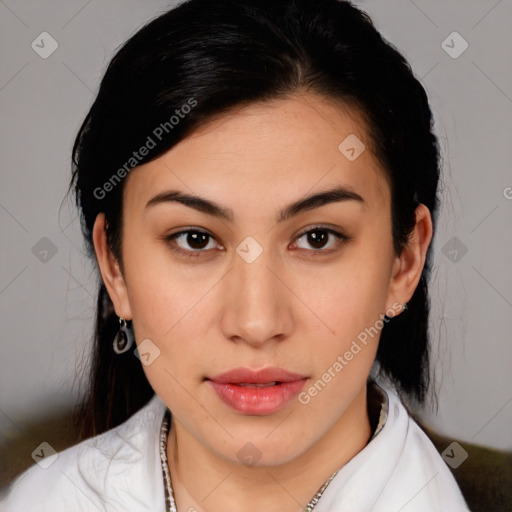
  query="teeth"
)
[{"x": 250, "y": 385}]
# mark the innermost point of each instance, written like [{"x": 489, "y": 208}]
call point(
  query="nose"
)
[{"x": 258, "y": 303}]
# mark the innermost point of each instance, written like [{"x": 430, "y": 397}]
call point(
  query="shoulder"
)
[
  {"x": 426, "y": 481},
  {"x": 117, "y": 470},
  {"x": 399, "y": 469}
]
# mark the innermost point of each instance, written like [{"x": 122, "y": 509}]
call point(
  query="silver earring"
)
[
  {"x": 124, "y": 338},
  {"x": 403, "y": 306}
]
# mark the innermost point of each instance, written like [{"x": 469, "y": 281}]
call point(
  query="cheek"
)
[
  {"x": 169, "y": 321},
  {"x": 160, "y": 293},
  {"x": 352, "y": 303},
  {"x": 171, "y": 315},
  {"x": 343, "y": 358},
  {"x": 356, "y": 295}
]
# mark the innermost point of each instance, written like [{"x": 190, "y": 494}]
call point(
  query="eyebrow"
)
[{"x": 334, "y": 195}]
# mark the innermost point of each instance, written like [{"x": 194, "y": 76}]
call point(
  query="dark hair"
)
[{"x": 213, "y": 56}]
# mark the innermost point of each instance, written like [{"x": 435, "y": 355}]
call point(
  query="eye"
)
[
  {"x": 319, "y": 238},
  {"x": 191, "y": 243}
]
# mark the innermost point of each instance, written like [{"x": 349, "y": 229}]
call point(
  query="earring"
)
[
  {"x": 124, "y": 338},
  {"x": 403, "y": 308}
]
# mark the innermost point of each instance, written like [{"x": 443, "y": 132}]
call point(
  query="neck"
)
[{"x": 204, "y": 481}]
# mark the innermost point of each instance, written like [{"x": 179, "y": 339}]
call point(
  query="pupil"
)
[
  {"x": 317, "y": 240},
  {"x": 198, "y": 238}
]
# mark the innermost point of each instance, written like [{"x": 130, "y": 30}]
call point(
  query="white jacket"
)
[{"x": 399, "y": 470}]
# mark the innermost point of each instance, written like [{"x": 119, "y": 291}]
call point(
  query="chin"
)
[{"x": 261, "y": 452}]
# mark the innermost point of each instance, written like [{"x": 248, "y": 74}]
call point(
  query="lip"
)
[{"x": 231, "y": 388}]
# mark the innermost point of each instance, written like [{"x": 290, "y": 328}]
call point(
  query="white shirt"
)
[{"x": 399, "y": 470}]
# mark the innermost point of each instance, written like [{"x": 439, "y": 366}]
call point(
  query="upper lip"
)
[{"x": 265, "y": 375}]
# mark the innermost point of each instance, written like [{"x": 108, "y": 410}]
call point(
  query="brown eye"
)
[
  {"x": 197, "y": 239},
  {"x": 317, "y": 238},
  {"x": 191, "y": 242},
  {"x": 320, "y": 239}
]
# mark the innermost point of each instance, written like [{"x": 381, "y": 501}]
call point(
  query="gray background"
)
[{"x": 47, "y": 300}]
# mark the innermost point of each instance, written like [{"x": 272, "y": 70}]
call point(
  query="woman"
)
[{"x": 257, "y": 183}]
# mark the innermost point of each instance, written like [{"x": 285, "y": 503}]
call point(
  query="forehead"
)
[{"x": 267, "y": 154}]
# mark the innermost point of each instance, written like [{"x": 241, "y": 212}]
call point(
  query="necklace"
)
[
  {"x": 170, "y": 505},
  {"x": 169, "y": 495}
]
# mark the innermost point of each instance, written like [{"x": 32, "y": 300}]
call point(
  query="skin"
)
[{"x": 289, "y": 308}]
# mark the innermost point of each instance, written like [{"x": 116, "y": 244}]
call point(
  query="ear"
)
[
  {"x": 407, "y": 267},
  {"x": 110, "y": 270}
]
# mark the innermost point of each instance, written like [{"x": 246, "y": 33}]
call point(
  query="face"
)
[{"x": 256, "y": 276}]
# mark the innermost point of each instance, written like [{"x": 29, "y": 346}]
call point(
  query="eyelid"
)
[{"x": 318, "y": 227}]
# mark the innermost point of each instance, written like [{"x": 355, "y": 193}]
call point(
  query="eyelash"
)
[{"x": 315, "y": 252}]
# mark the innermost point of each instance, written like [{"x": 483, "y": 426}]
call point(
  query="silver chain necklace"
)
[
  {"x": 169, "y": 495},
  {"x": 164, "y": 430}
]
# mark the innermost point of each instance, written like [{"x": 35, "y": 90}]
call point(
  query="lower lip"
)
[{"x": 257, "y": 401}]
